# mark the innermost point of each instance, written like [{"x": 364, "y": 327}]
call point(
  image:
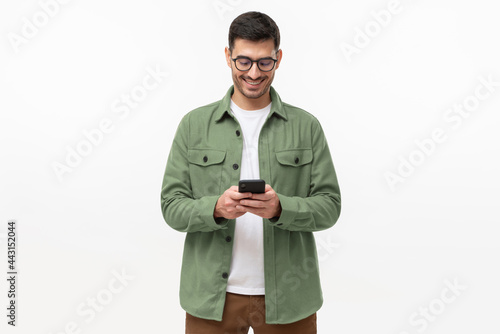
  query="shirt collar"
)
[{"x": 225, "y": 103}]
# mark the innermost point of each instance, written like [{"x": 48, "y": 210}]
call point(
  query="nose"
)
[{"x": 254, "y": 71}]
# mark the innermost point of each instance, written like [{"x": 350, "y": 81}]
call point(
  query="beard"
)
[{"x": 252, "y": 93}]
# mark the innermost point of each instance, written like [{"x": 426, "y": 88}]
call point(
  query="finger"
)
[
  {"x": 241, "y": 208},
  {"x": 262, "y": 197},
  {"x": 237, "y": 196},
  {"x": 232, "y": 190},
  {"x": 253, "y": 203}
]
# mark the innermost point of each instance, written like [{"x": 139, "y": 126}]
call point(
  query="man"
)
[{"x": 250, "y": 259}]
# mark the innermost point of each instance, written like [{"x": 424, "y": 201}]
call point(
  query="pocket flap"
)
[
  {"x": 206, "y": 157},
  {"x": 295, "y": 157}
]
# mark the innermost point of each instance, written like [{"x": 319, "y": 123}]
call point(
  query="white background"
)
[{"x": 393, "y": 249}]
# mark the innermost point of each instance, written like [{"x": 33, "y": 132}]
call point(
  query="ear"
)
[
  {"x": 228, "y": 56},
  {"x": 279, "y": 55}
]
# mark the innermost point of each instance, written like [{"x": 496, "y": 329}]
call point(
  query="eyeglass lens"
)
[{"x": 244, "y": 64}]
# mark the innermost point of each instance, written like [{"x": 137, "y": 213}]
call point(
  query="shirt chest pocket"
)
[
  {"x": 293, "y": 172},
  {"x": 205, "y": 171}
]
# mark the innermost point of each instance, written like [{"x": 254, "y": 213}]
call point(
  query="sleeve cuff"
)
[
  {"x": 206, "y": 210},
  {"x": 288, "y": 213}
]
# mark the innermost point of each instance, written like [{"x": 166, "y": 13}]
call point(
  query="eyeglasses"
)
[{"x": 245, "y": 64}]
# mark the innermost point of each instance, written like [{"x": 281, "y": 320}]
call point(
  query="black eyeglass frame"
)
[{"x": 254, "y": 61}]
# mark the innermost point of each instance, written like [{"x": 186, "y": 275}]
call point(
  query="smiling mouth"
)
[{"x": 253, "y": 83}]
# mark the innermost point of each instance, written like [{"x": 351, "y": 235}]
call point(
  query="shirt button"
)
[
  {"x": 228, "y": 239},
  {"x": 205, "y": 158},
  {"x": 224, "y": 275},
  {"x": 238, "y": 133},
  {"x": 296, "y": 160},
  {"x": 235, "y": 166}
]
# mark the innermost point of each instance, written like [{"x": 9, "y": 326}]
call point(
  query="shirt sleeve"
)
[
  {"x": 179, "y": 208},
  {"x": 321, "y": 208}
]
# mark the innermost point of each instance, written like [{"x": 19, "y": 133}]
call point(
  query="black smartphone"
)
[{"x": 257, "y": 186}]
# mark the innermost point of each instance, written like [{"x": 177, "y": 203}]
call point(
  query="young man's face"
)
[{"x": 253, "y": 83}]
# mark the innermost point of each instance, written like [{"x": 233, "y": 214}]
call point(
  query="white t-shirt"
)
[{"x": 246, "y": 275}]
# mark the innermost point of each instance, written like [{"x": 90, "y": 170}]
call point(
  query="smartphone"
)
[{"x": 252, "y": 186}]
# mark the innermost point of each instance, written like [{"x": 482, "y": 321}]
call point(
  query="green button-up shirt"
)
[{"x": 294, "y": 159}]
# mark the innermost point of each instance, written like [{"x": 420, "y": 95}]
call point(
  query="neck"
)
[{"x": 251, "y": 104}]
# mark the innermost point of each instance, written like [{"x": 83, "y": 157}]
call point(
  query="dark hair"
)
[{"x": 254, "y": 26}]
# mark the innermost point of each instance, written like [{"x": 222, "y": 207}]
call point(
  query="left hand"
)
[{"x": 266, "y": 205}]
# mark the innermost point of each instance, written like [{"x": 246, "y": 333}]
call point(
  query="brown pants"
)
[{"x": 242, "y": 312}]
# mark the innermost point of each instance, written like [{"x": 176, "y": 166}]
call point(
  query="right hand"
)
[{"x": 227, "y": 202}]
